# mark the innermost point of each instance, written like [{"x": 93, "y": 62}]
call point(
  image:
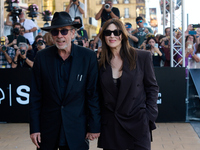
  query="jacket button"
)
[{"x": 62, "y": 107}]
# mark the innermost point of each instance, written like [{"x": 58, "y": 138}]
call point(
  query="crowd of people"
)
[{"x": 141, "y": 38}]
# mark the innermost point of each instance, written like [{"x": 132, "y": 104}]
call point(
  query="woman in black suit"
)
[{"x": 129, "y": 92}]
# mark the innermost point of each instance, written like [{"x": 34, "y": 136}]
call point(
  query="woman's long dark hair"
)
[{"x": 126, "y": 50}]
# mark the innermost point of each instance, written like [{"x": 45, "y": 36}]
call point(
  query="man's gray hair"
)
[{"x": 23, "y": 44}]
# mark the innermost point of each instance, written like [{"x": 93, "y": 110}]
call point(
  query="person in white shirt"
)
[{"x": 28, "y": 24}]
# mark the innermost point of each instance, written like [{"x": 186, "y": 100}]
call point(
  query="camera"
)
[
  {"x": 3, "y": 42},
  {"x": 22, "y": 51},
  {"x": 16, "y": 31},
  {"x": 196, "y": 25},
  {"x": 40, "y": 42},
  {"x": 141, "y": 29},
  {"x": 74, "y": 0},
  {"x": 148, "y": 46},
  {"x": 14, "y": 9},
  {"x": 106, "y": 6}
]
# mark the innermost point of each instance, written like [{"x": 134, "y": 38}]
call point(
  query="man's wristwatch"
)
[
  {"x": 109, "y": 12},
  {"x": 29, "y": 30},
  {"x": 77, "y": 6},
  {"x": 25, "y": 58}
]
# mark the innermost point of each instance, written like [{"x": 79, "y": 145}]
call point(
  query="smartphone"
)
[
  {"x": 156, "y": 45},
  {"x": 190, "y": 46},
  {"x": 196, "y": 25},
  {"x": 192, "y": 32},
  {"x": 166, "y": 42}
]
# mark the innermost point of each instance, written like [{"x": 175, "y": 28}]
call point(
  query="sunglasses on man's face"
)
[
  {"x": 55, "y": 32},
  {"x": 115, "y": 32},
  {"x": 139, "y": 21}
]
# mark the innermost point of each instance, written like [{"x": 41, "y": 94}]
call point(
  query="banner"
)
[{"x": 14, "y": 94}]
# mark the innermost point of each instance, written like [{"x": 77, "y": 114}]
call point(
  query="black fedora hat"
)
[{"x": 61, "y": 19}]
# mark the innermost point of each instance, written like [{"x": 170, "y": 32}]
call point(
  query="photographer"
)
[
  {"x": 28, "y": 24},
  {"x": 107, "y": 12},
  {"x": 15, "y": 38},
  {"x": 141, "y": 31},
  {"x": 35, "y": 44},
  {"x": 157, "y": 55},
  {"x": 82, "y": 33},
  {"x": 75, "y": 8},
  {"x": 6, "y": 53},
  {"x": 23, "y": 57},
  {"x": 41, "y": 45}
]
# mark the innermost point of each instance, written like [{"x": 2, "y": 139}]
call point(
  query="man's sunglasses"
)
[
  {"x": 139, "y": 21},
  {"x": 55, "y": 32},
  {"x": 115, "y": 32}
]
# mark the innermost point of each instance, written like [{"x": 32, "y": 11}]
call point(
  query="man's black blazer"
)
[{"x": 78, "y": 111}]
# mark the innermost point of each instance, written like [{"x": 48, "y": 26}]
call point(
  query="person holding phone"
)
[
  {"x": 157, "y": 55},
  {"x": 189, "y": 52}
]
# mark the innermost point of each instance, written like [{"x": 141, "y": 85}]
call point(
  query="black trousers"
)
[{"x": 63, "y": 148}]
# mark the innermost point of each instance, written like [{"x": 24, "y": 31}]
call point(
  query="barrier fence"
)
[{"x": 15, "y": 90}]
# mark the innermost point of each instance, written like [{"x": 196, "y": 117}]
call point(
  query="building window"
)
[
  {"x": 126, "y": 13},
  {"x": 126, "y": 1}
]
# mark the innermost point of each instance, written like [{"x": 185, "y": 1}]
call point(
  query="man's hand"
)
[
  {"x": 14, "y": 42},
  {"x": 16, "y": 47},
  {"x": 76, "y": 2},
  {"x": 35, "y": 137},
  {"x": 92, "y": 136},
  {"x": 17, "y": 53}
]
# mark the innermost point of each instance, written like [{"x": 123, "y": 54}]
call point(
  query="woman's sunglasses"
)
[
  {"x": 109, "y": 32},
  {"x": 55, "y": 32}
]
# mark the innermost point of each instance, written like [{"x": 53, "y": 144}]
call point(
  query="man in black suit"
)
[{"x": 64, "y": 107}]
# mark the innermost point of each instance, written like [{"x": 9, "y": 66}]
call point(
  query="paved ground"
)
[{"x": 167, "y": 136}]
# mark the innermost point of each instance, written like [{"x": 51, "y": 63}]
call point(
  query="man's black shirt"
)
[
  {"x": 106, "y": 16},
  {"x": 22, "y": 63}
]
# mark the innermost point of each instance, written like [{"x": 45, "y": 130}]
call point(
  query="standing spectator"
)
[
  {"x": 75, "y": 8},
  {"x": 6, "y": 53},
  {"x": 15, "y": 38},
  {"x": 131, "y": 38},
  {"x": 157, "y": 55},
  {"x": 64, "y": 103},
  {"x": 141, "y": 31},
  {"x": 23, "y": 57},
  {"x": 189, "y": 52},
  {"x": 167, "y": 31},
  {"x": 82, "y": 33},
  {"x": 22, "y": 31},
  {"x": 48, "y": 39},
  {"x": 106, "y": 13},
  {"x": 28, "y": 24},
  {"x": 35, "y": 46}
]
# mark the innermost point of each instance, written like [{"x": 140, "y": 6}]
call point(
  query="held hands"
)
[
  {"x": 36, "y": 139},
  {"x": 92, "y": 136}
]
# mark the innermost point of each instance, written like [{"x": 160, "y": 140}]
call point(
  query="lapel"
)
[
  {"x": 126, "y": 81},
  {"x": 75, "y": 67},
  {"x": 107, "y": 80},
  {"x": 52, "y": 68}
]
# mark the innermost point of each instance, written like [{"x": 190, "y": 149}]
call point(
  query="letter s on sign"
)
[{"x": 23, "y": 94}]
